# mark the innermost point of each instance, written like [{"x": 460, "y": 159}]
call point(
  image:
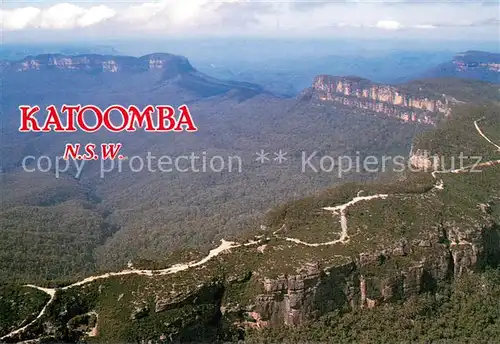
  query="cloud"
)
[
  {"x": 394, "y": 25},
  {"x": 141, "y": 13},
  {"x": 424, "y": 26},
  {"x": 256, "y": 17},
  {"x": 61, "y": 16},
  {"x": 169, "y": 15},
  {"x": 495, "y": 22},
  {"x": 57, "y": 17},
  {"x": 96, "y": 15},
  {"x": 389, "y": 25},
  {"x": 19, "y": 18}
]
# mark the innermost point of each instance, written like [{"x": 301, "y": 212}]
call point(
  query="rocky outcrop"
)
[
  {"x": 389, "y": 100},
  {"x": 423, "y": 161},
  {"x": 204, "y": 293},
  {"x": 293, "y": 299},
  {"x": 139, "y": 312}
]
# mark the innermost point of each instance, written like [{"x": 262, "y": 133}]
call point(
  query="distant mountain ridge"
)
[
  {"x": 477, "y": 65},
  {"x": 14, "y": 52},
  {"x": 152, "y": 69},
  {"x": 101, "y": 63}
]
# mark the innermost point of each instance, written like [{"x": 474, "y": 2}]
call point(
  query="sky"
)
[{"x": 445, "y": 19}]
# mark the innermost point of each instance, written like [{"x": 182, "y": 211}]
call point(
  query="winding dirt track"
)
[
  {"x": 224, "y": 246},
  {"x": 341, "y": 209},
  {"x": 338, "y": 210},
  {"x": 228, "y": 245},
  {"x": 483, "y": 135}
]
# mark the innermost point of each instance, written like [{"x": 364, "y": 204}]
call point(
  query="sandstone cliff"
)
[
  {"x": 394, "y": 273},
  {"x": 409, "y": 106}
]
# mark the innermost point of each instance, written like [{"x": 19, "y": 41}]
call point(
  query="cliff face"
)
[
  {"x": 389, "y": 100},
  {"x": 463, "y": 66},
  {"x": 478, "y": 65},
  {"x": 477, "y": 60},
  {"x": 100, "y": 63},
  {"x": 372, "y": 278}
]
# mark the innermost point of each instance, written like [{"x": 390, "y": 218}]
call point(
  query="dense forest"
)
[{"x": 133, "y": 216}]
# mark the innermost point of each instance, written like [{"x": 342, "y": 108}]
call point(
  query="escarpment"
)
[
  {"x": 408, "y": 105},
  {"x": 370, "y": 278}
]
